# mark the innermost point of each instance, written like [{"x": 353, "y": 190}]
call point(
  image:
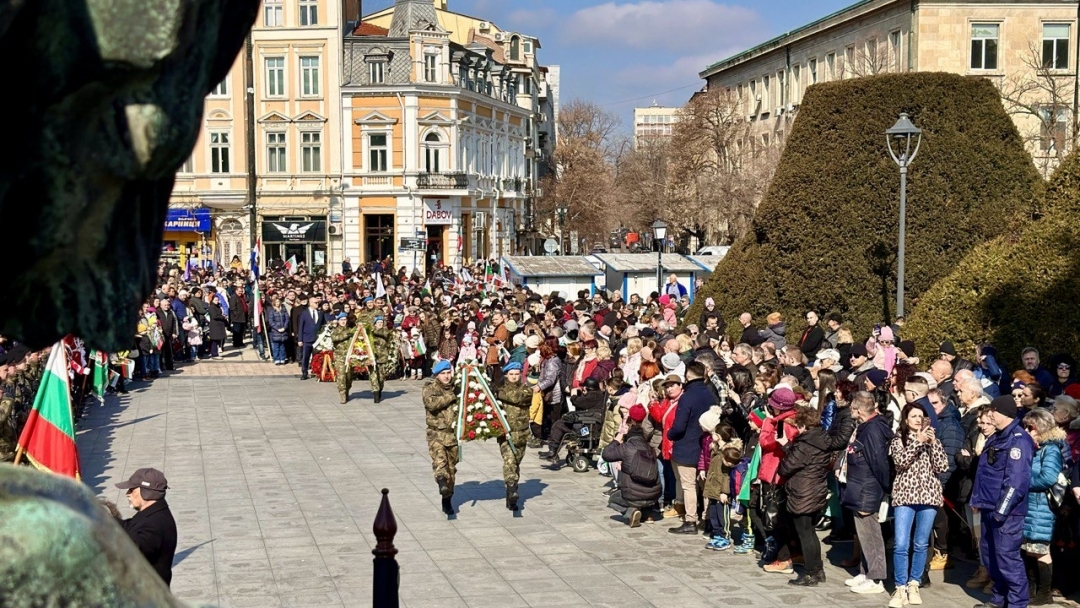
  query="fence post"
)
[{"x": 385, "y": 571}]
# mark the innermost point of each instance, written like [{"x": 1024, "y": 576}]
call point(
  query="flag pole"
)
[{"x": 19, "y": 451}]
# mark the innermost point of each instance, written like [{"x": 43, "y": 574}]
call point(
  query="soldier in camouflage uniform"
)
[
  {"x": 8, "y": 436},
  {"x": 386, "y": 355},
  {"x": 440, "y": 402},
  {"x": 515, "y": 397},
  {"x": 341, "y": 336}
]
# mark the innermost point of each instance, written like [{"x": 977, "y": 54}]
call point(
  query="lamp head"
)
[{"x": 659, "y": 229}]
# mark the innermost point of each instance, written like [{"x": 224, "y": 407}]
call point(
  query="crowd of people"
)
[{"x": 755, "y": 436}]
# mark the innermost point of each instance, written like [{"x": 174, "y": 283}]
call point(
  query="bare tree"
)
[
  {"x": 870, "y": 59},
  {"x": 1044, "y": 94}
]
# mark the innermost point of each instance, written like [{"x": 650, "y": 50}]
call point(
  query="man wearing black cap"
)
[
  {"x": 152, "y": 529},
  {"x": 1000, "y": 493},
  {"x": 948, "y": 352}
]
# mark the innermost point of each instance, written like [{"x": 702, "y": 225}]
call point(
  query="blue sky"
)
[{"x": 618, "y": 50}]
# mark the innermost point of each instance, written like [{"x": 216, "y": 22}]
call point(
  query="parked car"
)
[{"x": 720, "y": 250}]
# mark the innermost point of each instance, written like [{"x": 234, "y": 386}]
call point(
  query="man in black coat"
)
[
  {"x": 170, "y": 331},
  {"x": 639, "y": 477},
  {"x": 239, "y": 314},
  {"x": 685, "y": 436},
  {"x": 812, "y": 337},
  {"x": 868, "y": 478},
  {"x": 152, "y": 529}
]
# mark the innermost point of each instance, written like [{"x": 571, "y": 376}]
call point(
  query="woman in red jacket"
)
[
  {"x": 663, "y": 415},
  {"x": 777, "y": 556}
]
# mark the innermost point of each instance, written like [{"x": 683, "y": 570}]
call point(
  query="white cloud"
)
[
  {"x": 673, "y": 26},
  {"x": 528, "y": 19}
]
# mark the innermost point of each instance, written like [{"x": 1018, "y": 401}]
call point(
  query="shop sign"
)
[
  {"x": 417, "y": 244},
  {"x": 294, "y": 231},
  {"x": 438, "y": 212},
  {"x": 188, "y": 220}
]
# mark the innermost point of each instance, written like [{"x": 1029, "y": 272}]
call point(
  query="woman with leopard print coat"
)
[{"x": 918, "y": 458}]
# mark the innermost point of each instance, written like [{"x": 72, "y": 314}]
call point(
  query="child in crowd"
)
[{"x": 721, "y": 453}]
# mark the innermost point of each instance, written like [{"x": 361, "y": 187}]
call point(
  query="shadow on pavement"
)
[{"x": 496, "y": 490}]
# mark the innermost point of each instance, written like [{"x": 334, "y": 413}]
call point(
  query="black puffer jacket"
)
[
  {"x": 869, "y": 470},
  {"x": 639, "y": 479},
  {"x": 805, "y": 468}
]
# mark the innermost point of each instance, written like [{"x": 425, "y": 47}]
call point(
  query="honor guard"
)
[
  {"x": 516, "y": 397},
  {"x": 439, "y": 401}
]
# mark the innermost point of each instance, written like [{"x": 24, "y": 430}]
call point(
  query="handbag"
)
[
  {"x": 773, "y": 504},
  {"x": 1055, "y": 494}
]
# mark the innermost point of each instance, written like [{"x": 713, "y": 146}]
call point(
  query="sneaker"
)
[
  {"x": 940, "y": 561},
  {"x": 780, "y": 567},
  {"x": 855, "y": 581},
  {"x": 899, "y": 598},
  {"x": 869, "y": 587},
  {"x": 746, "y": 546},
  {"x": 913, "y": 596},
  {"x": 635, "y": 518},
  {"x": 718, "y": 543},
  {"x": 675, "y": 510}
]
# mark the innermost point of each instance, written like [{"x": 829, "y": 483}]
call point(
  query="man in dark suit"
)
[
  {"x": 812, "y": 336},
  {"x": 152, "y": 529},
  {"x": 238, "y": 315},
  {"x": 308, "y": 325}
]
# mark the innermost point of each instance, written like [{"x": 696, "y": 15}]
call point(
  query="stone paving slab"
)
[{"x": 275, "y": 486}]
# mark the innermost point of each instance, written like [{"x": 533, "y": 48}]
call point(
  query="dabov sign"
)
[{"x": 438, "y": 211}]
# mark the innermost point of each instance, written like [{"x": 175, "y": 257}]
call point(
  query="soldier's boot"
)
[
  {"x": 447, "y": 506},
  {"x": 444, "y": 487},
  {"x": 512, "y": 496},
  {"x": 377, "y": 396},
  {"x": 344, "y": 396}
]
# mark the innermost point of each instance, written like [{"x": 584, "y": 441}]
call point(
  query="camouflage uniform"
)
[
  {"x": 8, "y": 438},
  {"x": 382, "y": 342},
  {"x": 441, "y": 404},
  {"x": 342, "y": 337},
  {"x": 516, "y": 399}
]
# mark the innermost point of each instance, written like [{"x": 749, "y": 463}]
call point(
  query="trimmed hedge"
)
[
  {"x": 1021, "y": 289},
  {"x": 825, "y": 234}
]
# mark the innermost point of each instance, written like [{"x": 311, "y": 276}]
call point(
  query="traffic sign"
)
[
  {"x": 551, "y": 245},
  {"x": 408, "y": 244}
]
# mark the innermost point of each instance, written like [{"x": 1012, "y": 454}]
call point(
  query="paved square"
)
[{"x": 275, "y": 485}]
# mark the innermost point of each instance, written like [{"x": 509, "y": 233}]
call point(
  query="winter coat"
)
[
  {"x": 1048, "y": 463},
  {"x": 218, "y": 322},
  {"x": 917, "y": 467},
  {"x": 278, "y": 320},
  {"x": 951, "y": 436},
  {"x": 775, "y": 334},
  {"x": 550, "y": 380},
  {"x": 590, "y": 401},
  {"x": 238, "y": 309},
  {"x": 869, "y": 472},
  {"x": 841, "y": 429},
  {"x": 718, "y": 470},
  {"x": 685, "y": 432},
  {"x": 602, "y": 371},
  {"x": 662, "y": 414},
  {"x": 805, "y": 469},
  {"x": 639, "y": 477},
  {"x": 771, "y": 451},
  {"x": 811, "y": 340},
  {"x": 963, "y": 479},
  {"x": 613, "y": 414}
]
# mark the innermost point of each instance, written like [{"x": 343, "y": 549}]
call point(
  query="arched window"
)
[
  {"x": 433, "y": 153},
  {"x": 515, "y": 49}
]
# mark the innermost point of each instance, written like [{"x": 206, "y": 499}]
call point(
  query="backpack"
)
[{"x": 640, "y": 465}]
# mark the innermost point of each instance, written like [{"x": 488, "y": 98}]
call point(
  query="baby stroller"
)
[{"x": 583, "y": 444}]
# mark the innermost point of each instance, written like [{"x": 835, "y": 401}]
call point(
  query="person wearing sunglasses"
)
[
  {"x": 1001, "y": 488},
  {"x": 1063, "y": 366}
]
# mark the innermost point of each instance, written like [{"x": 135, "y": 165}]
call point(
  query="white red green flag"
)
[{"x": 48, "y": 438}]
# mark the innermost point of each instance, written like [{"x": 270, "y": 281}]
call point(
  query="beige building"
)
[
  {"x": 296, "y": 122},
  {"x": 1021, "y": 46},
  {"x": 448, "y": 120},
  {"x": 654, "y": 122}
]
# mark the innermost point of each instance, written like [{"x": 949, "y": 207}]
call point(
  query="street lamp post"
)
[
  {"x": 561, "y": 211},
  {"x": 659, "y": 230},
  {"x": 903, "y": 132}
]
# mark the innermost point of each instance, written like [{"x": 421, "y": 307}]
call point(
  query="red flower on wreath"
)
[
  {"x": 478, "y": 417},
  {"x": 472, "y": 434}
]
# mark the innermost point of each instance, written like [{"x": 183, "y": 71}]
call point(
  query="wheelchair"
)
[{"x": 583, "y": 444}]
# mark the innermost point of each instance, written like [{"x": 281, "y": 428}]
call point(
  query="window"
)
[
  {"x": 431, "y": 62},
  {"x": 275, "y": 153},
  {"x": 895, "y": 62},
  {"x": 309, "y": 76},
  {"x": 752, "y": 101},
  {"x": 1053, "y": 128},
  {"x": 309, "y": 12},
  {"x": 849, "y": 61},
  {"x": 187, "y": 167},
  {"x": 811, "y": 67},
  {"x": 765, "y": 99},
  {"x": 1055, "y": 47},
  {"x": 431, "y": 153},
  {"x": 984, "y": 46},
  {"x": 310, "y": 152},
  {"x": 275, "y": 76},
  {"x": 377, "y": 152},
  {"x": 527, "y": 47},
  {"x": 221, "y": 89},
  {"x": 272, "y": 10},
  {"x": 830, "y": 67},
  {"x": 219, "y": 152},
  {"x": 795, "y": 86},
  {"x": 780, "y": 88},
  {"x": 872, "y": 62},
  {"x": 377, "y": 72}
]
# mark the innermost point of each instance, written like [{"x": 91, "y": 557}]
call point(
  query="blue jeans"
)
[
  {"x": 277, "y": 350},
  {"x": 908, "y": 565},
  {"x": 153, "y": 363},
  {"x": 257, "y": 342}
]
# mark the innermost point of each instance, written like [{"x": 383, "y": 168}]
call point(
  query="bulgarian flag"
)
[
  {"x": 426, "y": 289},
  {"x": 48, "y": 439},
  {"x": 101, "y": 372},
  {"x": 290, "y": 265}
]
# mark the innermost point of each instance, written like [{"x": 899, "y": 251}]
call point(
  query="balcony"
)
[
  {"x": 442, "y": 181},
  {"x": 512, "y": 184}
]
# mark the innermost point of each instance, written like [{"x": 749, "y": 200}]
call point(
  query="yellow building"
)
[
  {"x": 654, "y": 123},
  {"x": 295, "y": 119},
  {"x": 448, "y": 119},
  {"x": 1026, "y": 47}
]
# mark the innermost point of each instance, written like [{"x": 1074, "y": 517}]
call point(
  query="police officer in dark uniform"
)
[{"x": 1000, "y": 494}]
